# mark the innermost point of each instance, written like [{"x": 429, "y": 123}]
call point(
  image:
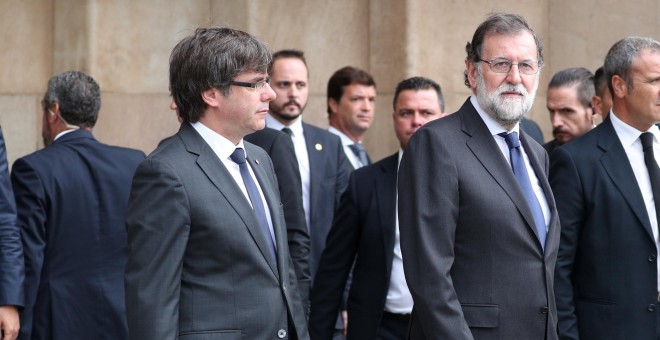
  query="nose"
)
[
  {"x": 513, "y": 76},
  {"x": 556, "y": 120},
  {"x": 417, "y": 120},
  {"x": 367, "y": 105},
  {"x": 267, "y": 94}
]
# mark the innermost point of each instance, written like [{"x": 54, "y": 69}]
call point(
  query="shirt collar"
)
[
  {"x": 222, "y": 146},
  {"x": 628, "y": 134},
  {"x": 345, "y": 140},
  {"x": 296, "y": 126},
  {"x": 493, "y": 126}
]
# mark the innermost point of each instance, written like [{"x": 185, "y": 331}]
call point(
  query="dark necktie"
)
[
  {"x": 520, "y": 171},
  {"x": 287, "y": 131},
  {"x": 360, "y": 153},
  {"x": 654, "y": 171},
  {"x": 238, "y": 156}
]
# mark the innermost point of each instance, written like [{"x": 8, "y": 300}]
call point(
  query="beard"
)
[
  {"x": 279, "y": 111},
  {"x": 507, "y": 111}
]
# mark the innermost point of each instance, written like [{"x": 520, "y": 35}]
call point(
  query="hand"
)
[
  {"x": 9, "y": 322},
  {"x": 344, "y": 317}
]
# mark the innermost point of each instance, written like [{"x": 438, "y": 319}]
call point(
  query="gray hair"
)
[
  {"x": 212, "y": 58},
  {"x": 623, "y": 54},
  {"x": 78, "y": 96}
]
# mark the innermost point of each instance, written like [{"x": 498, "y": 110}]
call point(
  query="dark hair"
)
[
  {"x": 600, "y": 82},
  {"x": 78, "y": 96},
  {"x": 297, "y": 54},
  {"x": 579, "y": 76},
  {"x": 416, "y": 84},
  {"x": 347, "y": 76},
  {"x": 622, "y": 55},
  {"x": 498, "y": 23},
  {"x": 212, "y": 58}
]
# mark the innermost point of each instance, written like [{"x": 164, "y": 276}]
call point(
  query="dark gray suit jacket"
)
[
  {"x": 471, "y": 254},
  {"x": 199, "y": 266},
  {"x": 606, "y": 276}
]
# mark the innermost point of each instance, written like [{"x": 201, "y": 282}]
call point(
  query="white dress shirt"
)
[
  {"x": 632, "y": 145},
  {"x": 223, "y": 148},
  {"x": 346, "y": 142},
  {"x": 399, "y": 300},
  {"x": 495, "y": 129},
  {"x": 300, "y": 148}
]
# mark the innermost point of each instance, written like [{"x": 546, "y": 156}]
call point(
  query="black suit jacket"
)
[
  {"x": 606, "y": 276},
  {"x": 12, "y": 270},
  {"x": 363, "y": 231},
  {"x": 279, "y": 147},
  {"x": 472, "y": 258},
  {"x": 329, "y": 171},
  {"x": 71, "y": 199}
]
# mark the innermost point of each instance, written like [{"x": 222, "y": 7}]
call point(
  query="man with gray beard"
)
[{"x": 479, "y": 240}]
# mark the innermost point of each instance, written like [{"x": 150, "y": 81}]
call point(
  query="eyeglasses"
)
[
  {"x": 504, "y": 66},
  {"x": 255, "y": 87}
]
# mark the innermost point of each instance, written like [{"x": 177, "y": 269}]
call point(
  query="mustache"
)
[
  {"x": 519, "y": 88},
  {"x": 558, "y": 130},
  {"x": 292, "y": 102}
]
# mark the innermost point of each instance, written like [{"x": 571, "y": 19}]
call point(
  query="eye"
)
[
  {"x": 525, "y": 66},
  {"x": 301, "y": 85},
  {"x": 501, "y": 64}
]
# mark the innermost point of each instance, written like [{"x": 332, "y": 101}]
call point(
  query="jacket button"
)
[
  {"x": 544, "y": 310},
  {"x": 651, "y": 307},
  {"x": 652, "y": 258},
  {"x": 281, "y": 334}
]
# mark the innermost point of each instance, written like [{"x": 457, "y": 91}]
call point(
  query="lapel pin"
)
[
  {"x": 318, "y": 147},
  {"x": 256, "y": 161}
]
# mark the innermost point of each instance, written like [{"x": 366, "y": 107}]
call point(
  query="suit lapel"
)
[
  {"x": 386, "y": 196},
  {"x": 485, "y": 149},
  {"x": 615, "y": 162},
  {"x": 218, "y": 174}
]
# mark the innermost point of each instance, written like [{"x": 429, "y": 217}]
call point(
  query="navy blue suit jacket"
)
[
  {"x": 329, "y": 172},
  {"x": 71, "y": 199},
  {"x": 363, "y": 227},
  {"x": 11, "y": 254},
  {"x": 606, "y": 275}
]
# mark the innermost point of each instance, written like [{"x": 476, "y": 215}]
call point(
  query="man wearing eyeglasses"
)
[
  {"x": 479, "y": 228},
  {"x": 208, "y": 255},
  {"x": 569, "y": 103}
]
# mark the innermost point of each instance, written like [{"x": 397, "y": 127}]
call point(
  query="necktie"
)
[
  {"x": 238, "y": 156},
  {"x": 360, "y": 152},
  {"x": 654, "y": 171},
  {"x": 287, "y": 131},
  {"x": 520, "y": 171}
]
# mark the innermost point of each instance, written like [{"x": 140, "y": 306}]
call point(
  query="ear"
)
[
  {"x": 332, "y": 103},
  {"x": 212, "y": 97},
  {"x": 54, "y": 113},
  {"x": 595, "y": 104},
  {"x": 471, "y": 69},
  {"x": 620, "y": 86}
]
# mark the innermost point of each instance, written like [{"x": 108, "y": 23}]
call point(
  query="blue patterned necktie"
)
[
  {"x": 238, "y": 156},
  {"x": 361, "y": 153},
  {"x": 520, "y": 171}
]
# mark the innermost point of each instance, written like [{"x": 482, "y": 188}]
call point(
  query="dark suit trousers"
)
[{"x": 393, "y": 327}]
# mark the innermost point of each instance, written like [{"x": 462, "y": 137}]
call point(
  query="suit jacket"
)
[
  {"x": 363, "y": 231},
  {"x": 12, "y": 273},
  {"x": 532, "y": 129},
  {"x": 280, "y": 149},
  {"x": 472, "y": 256},
  {"x": 71, "y": 199},
  {"x": 606, "y": 276},
  {"x": 551, "y": 146},
  {"x": 199, "y": 266},
  {"x": 329, "y": 171}
]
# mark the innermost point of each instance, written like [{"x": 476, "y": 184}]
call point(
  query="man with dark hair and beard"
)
[
  {"x": 479, "y": 241},
  {"x": 324, "y": 168}
]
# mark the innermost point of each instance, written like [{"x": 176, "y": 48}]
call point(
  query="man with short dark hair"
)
[
  {"x": 366, "y": 230},
  {"x": 12, "y": 273},
  {"x": 607, "y": 187},
  {"x": 351, "y": 109},
  {"x": 208, "y": 253},
  {"x": 602, "y": 99},
  {"x": 479, "y": 231},
  {"x": 71, "y": 200},
  {"x": 569, "y": 103}
]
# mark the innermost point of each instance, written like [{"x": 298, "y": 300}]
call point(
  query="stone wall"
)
[{"x": 125, "y": 46}]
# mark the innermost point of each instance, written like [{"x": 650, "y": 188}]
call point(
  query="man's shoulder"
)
[
  {"x": 317, "y": 132},
  {"x": 264, "y": 137}
]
